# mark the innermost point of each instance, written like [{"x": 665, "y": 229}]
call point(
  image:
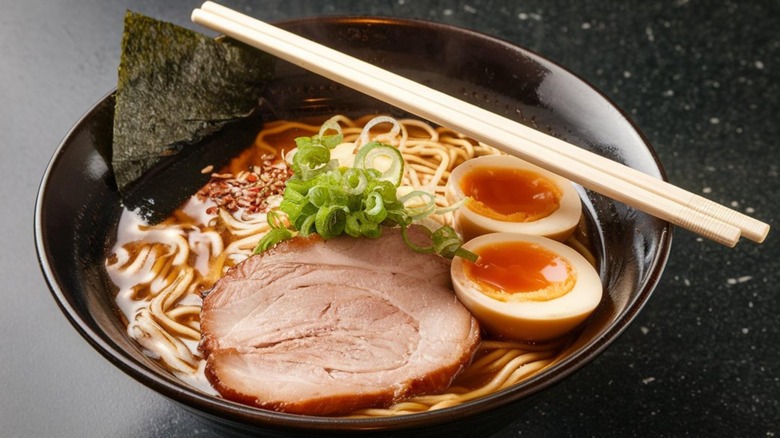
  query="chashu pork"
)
[{"x": 325, "y": 327}]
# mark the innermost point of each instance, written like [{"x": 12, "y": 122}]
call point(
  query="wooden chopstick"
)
[
  {"x": 597, "y": 173},
  {"x": 749, "y": 227}
]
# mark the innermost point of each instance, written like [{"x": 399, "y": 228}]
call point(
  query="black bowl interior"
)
[{"x": 78, "y": 205}]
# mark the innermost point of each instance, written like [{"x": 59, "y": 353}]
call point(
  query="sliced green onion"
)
[
  {"x": 292, "y": 209},
  {"x": 444, "y": 242},
  {"x": 414, "y": 246},
  {"x": 320, "y": 196},
  {"x": 354, "y": 181},
  {"x": 466, "y": 254},
  {"x": 276, "y": 234},
  {"x": 447, "y": 243},
  {"x": 307, "y": 226},
  {"x": 375, "y": 208},
  {"x": 384, "y": 188},
  {"x": 372, "y": 151},
  {"x": 330, "y": 221},
  {"x": 424, "y": 208},
  {"x": 451, "y": 207},
  {"x": 298, "y": 186},
  {"x": 352, "y": 225},
  {"x": 274, "y": 220},
  {"x": 371, "y": 230},
  {"x": 307, "y": 173},
  {"x": 271, "y": 239},
  {"x": 330, "y": 141},
  {"x": 310, "y": 156}
]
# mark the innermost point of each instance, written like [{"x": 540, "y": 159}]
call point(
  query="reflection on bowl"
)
[{"x": 78, "y": 208}]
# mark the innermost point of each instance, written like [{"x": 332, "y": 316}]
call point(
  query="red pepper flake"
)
[{"x": 248, "y": 189}]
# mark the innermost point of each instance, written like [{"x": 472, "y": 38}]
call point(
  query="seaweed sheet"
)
[{"x": 175, "y": 88}]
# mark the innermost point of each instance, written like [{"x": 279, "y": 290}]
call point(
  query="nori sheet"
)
[{"x": 176, "y": 87}]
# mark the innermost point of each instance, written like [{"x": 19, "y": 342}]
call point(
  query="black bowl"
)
[{"x": 78, "y": 206}]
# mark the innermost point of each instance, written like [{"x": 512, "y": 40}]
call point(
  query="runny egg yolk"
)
[
  {"x": 521, "y": 271},
  {"x": 526, "y": 287},
  {"x": 510, "y": 194}
]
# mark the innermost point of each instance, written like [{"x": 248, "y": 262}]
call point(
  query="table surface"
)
[{"x": 701, "y": 80}]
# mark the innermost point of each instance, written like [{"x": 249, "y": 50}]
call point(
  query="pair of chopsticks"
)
[{"x": 592, "y": 171}]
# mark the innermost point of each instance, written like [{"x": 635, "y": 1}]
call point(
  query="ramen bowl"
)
[{"x": 78, "y": 208}]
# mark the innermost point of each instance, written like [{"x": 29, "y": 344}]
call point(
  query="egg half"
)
[
  {"x": 526, "y": 287},
  {"x": 509, "y": 195}
]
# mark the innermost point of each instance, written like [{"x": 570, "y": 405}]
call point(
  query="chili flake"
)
[{"x": 249, "y": 189}]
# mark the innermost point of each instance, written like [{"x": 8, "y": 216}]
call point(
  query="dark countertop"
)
[{"x": 700, "y": 78}]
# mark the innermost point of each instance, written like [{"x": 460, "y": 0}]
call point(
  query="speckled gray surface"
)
[{"x": 700, "y": 78}]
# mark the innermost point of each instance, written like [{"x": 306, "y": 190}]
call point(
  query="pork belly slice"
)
[{"x": 326, "y": 327}]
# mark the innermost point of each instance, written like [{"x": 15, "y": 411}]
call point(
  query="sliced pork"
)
[{"x": 326, "y": 327}]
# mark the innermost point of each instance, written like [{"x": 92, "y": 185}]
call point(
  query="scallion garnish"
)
[
  {"x": 276, "y": 234},
  {"x": 329, "y": 200}
]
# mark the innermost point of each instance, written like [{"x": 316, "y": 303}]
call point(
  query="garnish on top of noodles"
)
[{"x": 330, "y": 199}]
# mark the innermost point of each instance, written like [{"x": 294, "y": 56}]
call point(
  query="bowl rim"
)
[{"x": 228, "y": 410}]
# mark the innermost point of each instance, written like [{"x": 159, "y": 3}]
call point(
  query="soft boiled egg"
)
[
  {"x": 526, "y": 287},
  {"x": 509, "y": 195}
]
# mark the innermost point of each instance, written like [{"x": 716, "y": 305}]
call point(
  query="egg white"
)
[
  {"x": 530, "y": 320},
  {"x": 559, "y": 225}
]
